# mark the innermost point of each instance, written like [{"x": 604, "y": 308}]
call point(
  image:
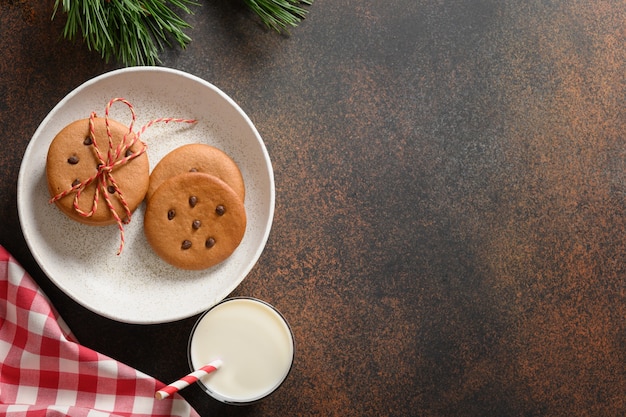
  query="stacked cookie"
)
[
  {"x": 72, "y": 164},
  {"x": 195, "y": 216}
]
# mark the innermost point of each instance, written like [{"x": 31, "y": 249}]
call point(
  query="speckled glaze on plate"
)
[{"x": 137, "y": 286}]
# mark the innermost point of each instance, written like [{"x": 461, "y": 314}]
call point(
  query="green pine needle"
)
[
  {"x": 134, "y": 32},
  {"x": 279, "y": 14}
]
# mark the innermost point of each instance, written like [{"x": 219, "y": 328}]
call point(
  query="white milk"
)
[{"x": 255, "y": 344}]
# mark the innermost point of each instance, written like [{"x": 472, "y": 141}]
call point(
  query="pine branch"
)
[
  {"x": 279, "y": 14},
  {"x": 134, "y": 32}
]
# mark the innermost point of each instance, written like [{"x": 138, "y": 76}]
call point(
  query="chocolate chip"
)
[
  {"x": 111, "y": 189},
  {"x": 186, "y": 244},
  {"x": 88, "y": 141},
  {"x": 220, "y": 210},
  {"x": 75, "y": 182},
  {"x": 193, "y": 170},
  {"x": 128, "y": 153},
  {"x": 196, "y": 224},
  {"x": 210, "y": 242},
  {"x": 193, "y": 200},
  {"x": 171, "y": 214},
  {"x": 73, "y": 160}
]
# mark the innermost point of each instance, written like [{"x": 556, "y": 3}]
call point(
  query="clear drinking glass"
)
[{"x": 254, "y": 342}]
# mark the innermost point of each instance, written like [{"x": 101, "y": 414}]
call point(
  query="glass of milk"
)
[{"x": 255, "y": 344}]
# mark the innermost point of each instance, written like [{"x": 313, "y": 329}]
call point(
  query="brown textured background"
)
[{"x": 449, "y": 228}]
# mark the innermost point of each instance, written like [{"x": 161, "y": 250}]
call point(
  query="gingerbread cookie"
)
[
  {"x": 72, "y": 160},
  {"x": 194, "y": 220},
  {"x": 197, "y": 157}
]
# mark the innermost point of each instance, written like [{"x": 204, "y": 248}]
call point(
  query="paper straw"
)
[{"x": 187, "y": 380}]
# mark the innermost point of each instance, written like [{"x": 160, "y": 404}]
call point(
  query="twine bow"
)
[{"x": 107, "y": 162}]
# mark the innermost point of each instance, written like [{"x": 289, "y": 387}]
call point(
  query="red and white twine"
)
[{"x": 114, "y": 158}]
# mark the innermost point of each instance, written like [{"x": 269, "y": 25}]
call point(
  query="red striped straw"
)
[{"x": 187, "y": 380}]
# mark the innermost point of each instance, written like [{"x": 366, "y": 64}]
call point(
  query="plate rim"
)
[{"x": 22, "y": 179}]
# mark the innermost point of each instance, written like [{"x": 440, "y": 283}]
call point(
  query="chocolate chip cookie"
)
[
  {"x": 197, "y": 157},
  {"x": 74, "y": 169},
  {"x": 194, "y": 220}
]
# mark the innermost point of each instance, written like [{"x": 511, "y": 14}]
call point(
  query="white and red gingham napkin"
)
[{"x": 44, "y": 371}]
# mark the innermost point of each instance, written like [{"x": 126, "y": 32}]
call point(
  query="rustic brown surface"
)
[{"x": 449, "y": 228}]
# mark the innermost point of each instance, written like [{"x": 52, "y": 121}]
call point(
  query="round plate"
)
[{"x": 137, "y": 286}]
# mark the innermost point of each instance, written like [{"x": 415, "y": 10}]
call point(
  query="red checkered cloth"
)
[{"x": 44, "y": 371}]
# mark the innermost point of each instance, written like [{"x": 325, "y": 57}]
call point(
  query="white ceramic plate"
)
[{"x": 137, "y": 286}]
